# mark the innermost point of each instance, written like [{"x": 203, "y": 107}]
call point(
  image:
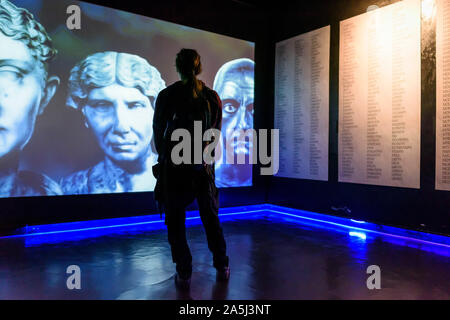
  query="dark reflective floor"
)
[{"x": 269, "y": 259}]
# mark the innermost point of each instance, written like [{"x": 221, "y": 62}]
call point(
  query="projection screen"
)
[{"x": 49, "y": 68}]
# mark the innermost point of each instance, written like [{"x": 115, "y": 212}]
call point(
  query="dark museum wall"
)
[
  {"x": 230, "y": 18},
  {"x": 421, "y": 209}
]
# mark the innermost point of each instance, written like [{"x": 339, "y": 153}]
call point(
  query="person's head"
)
[
  {"x": 188, "y": 63},
  {"x": 234, "y": 82},
  {"x": 189, "y": 66},
  {"x": 116, "y": 92},
  {"x": 25, "y": 87}
]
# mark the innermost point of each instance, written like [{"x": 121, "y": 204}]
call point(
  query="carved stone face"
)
[
  {"x": 21, "y": 91},
  {"x": 236, "y": 90},
  {"x": 121, "y": 119},
  {"x": 234, "y": 83}
]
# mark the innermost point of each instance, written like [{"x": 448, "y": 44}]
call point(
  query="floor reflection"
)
[{"x": 269, "y": 259}]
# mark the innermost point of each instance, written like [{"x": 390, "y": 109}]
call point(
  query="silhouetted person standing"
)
[{"x": 177, "y": 107}]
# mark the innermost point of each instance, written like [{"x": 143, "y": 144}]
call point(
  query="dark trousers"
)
[{"x": 183, "y": 187}]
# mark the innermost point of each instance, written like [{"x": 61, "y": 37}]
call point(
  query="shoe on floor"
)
[
  {"x": 183, "y": 284},
  {"x": 223, "y": 274}
]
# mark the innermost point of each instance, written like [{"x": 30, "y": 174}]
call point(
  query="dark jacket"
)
[{"x": 176, "y": 101}]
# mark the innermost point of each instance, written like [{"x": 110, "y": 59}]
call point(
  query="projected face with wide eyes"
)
[
  {"x": 237, "y": 112},
  {"x": 20, "y": 94},
  {"x": 121, "y": 119},
  {"x": 234, "y": 82}
]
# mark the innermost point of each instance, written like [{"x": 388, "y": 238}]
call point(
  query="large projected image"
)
[
  {"x": 76, "y": 106},
  {"x": 234, "y": 83}
]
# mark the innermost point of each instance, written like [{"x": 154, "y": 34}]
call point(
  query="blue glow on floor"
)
[
  {"x": 74, "y": 231},
  {"x": 360, "y": 235}
]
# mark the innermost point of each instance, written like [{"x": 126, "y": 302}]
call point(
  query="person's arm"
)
[
  {"x": 216, "y": 119},
  {"x": 160, "y": 121},
  {"x": 217, "y": 123}
]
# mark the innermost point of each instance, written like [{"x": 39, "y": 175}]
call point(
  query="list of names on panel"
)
[
  {"x": 379, "y": 96},
  {"x": 443, "y": 95},
  {"x": 302, "y": 104}
]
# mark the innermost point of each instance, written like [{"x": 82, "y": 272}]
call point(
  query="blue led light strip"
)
[
  {"x": 65, "y": 227},
  {"x": 426, "y": 238},
  {"x": 253, "y": 211},
  {"x": 366, "y": 230}
]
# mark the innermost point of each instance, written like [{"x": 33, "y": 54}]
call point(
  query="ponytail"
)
[{"x": 196, "y": 86}]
